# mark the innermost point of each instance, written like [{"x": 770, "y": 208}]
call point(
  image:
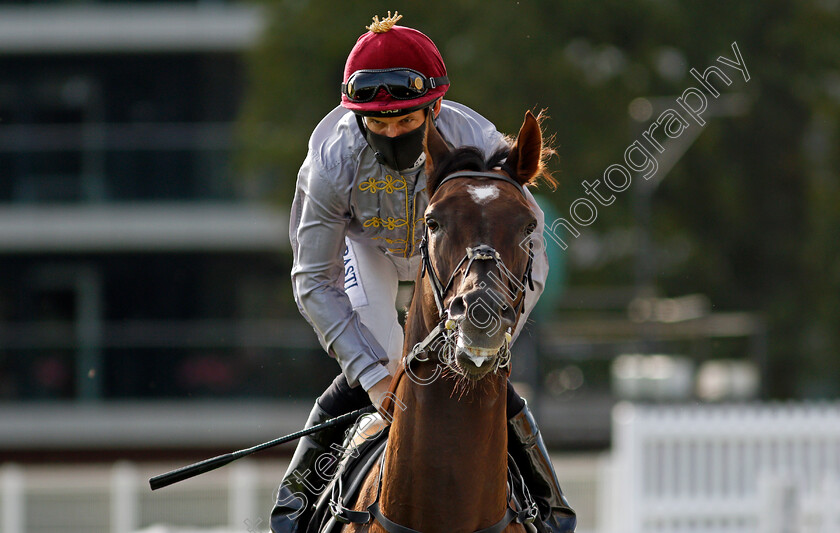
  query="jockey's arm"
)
[
  {"x": 539, "y": 270},
  {"x": 319, "y": 219},
  {"x": 379, "y": 390}
]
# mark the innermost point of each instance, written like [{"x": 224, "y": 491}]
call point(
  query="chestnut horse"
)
[{"x": 446, "y": 463}]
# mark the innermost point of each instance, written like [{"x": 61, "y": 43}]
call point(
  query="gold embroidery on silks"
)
[
  {"x": 389, "y": 223},
  {"x": 392, "y": 241},
  {"x": 409, "y": 222},
  {"x": 389, "y": 184},
  {"x": 414, "y": 229},
  {"x": 389, "y": 241}
]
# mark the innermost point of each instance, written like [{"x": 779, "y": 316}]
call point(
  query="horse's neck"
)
[{"x": 447, "y": 451}]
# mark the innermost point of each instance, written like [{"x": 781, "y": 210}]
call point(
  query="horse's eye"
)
[
  {"x": 432, "y": 224},
  {"x": 529, "y": 229}
]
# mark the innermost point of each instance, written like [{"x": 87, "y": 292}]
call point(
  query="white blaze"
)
[{"x": 482, "y": 194}]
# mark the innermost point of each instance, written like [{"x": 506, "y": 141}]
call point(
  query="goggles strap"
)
[{"x": 440, "y": 80}]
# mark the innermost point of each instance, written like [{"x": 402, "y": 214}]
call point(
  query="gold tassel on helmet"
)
[{"x": 385, "y": 24}]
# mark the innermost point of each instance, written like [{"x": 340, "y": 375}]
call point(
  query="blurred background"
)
[{"x": 148, "y": 156}]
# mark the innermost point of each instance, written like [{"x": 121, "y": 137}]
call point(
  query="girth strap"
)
[
  {"x": 373, "y": 512},
  {"x": 393, "y": 527},
  {"x": 389, "y": 526}
]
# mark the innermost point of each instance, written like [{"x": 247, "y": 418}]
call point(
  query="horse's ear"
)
[
  {"x": 435, "y": 148},
  {"x": 526, "y": 154}
]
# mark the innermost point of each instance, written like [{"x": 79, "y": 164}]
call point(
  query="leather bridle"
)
[
  {"x": 481, "y": 252},
  {"x": 443, "y": 333}
]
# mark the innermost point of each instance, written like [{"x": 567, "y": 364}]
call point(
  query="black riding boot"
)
[
  {"x": 302, "y": 484},
  {"x": 528, "y": 450}
]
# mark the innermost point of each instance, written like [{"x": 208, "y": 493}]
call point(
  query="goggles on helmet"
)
[{"x": 400, "y": 83}]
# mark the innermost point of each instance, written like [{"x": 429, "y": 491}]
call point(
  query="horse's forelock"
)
[
  {"x": 498, "y": 157},
  {"x": 467, "y": 158}
]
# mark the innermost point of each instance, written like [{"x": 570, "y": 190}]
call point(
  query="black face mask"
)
[{"x": 400, "y": 152}]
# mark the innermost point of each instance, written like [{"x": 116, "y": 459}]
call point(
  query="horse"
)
[{"x": 445, "y": 466}]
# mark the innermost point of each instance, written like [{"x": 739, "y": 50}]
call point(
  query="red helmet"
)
[{"x": 392, "y": 69}]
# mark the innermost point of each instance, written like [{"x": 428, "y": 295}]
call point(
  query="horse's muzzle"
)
[{"x": 482, "y": 323}]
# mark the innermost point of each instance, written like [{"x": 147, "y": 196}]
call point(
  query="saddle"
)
[{"x": 363, "y": 449}]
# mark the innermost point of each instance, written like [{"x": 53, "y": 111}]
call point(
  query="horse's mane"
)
[{"x": 471, "y": 158}]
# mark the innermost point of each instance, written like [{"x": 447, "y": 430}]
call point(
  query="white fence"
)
[
  {"x": 724, "y": 469},
  {"x": 104, "y": 498},
  {"x": 673, "y": 469},
  {"x": 117, "y": 499}
]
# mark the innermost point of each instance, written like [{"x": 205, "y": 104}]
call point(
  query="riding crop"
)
[{"x": 186, "y": 472}]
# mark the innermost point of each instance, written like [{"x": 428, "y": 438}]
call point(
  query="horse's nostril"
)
[
  {"x": 457, "y": 308},
  {"x": 509, "y": 314}
]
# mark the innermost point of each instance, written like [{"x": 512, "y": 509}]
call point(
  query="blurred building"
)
[
  {"x": 134, "y": 262},
  {"x": 137, "y": 266}
]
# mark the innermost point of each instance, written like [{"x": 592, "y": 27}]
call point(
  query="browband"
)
[{"x": 475, "y": 174}]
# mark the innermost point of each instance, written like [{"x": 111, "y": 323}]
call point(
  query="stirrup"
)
[{"x": 532, "y": 458}]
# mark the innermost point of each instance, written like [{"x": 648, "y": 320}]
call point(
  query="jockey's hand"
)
[{"x": 378, "y": 391}]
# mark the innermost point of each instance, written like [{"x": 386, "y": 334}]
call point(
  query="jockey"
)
[{"x": 356, "y": 224}]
